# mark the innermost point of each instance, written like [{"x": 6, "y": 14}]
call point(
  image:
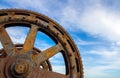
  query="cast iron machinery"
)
[{"x": 25, "y": 60}]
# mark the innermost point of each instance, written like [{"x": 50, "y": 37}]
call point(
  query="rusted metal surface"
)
[
  {"x": 29, "y": 42},
  {"x": 25, "y": 60}
]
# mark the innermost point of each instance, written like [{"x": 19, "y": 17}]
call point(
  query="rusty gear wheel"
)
[{"x": 24, "y": 60}]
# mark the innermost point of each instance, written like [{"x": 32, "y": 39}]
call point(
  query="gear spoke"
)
[
  {"x": 6, "y": 41},
  {"x": 29, "y": 42},
  {"x": 48, "y": 53}
]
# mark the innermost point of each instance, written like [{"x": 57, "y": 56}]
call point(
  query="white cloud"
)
[
  {"x": 95, "y": 20},
  {"x": 69, "y": 16},
  {"x": 36, "y": 5},
  {"x": 101, "y": 22},
  {"x": 106, "y": 62},
  {"x": 105, "y": 53},
  {"x": 100, "y": 72},
  {"x": 59, "y": 69},
  {"x": 58, "y": 64},
  {"x": 81, "y": 42},
  {"x": 17, "y": 34},
  {"x": 57, "y": 59}
]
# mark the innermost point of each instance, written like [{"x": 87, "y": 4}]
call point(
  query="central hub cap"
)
[{"x": 19, "y": 68}]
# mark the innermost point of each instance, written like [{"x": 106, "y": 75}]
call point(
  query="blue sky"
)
[{"x": 93, "y": 24}]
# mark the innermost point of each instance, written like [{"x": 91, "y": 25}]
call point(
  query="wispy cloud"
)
[
  {"x": 106, "y": 62},
  {"x": 101, "y": 22},
  {"x": 81, "y": 42},
  {"x": 57, "y": 59},
  {"x": 96, "y": 20},
  {"x": 59, "y": 69},
  {"x": 17, "y": 34},
  {"x": 26, "y": 4}
]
